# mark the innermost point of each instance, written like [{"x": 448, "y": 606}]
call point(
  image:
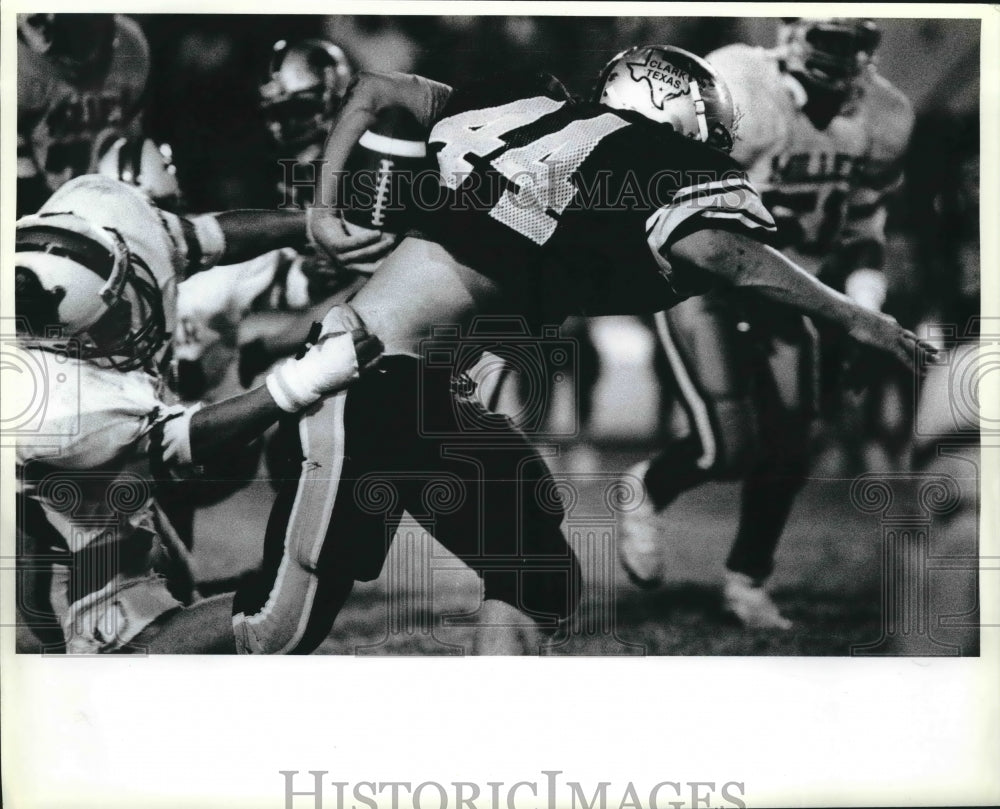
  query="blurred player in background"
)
[
  {"x": 521, "y": 247},
  {"x": 299, "y": 98},
  {"x": 80, "y": 85},
  {"x": 95, "y": 291},
  {"x": 822, "y": 135}
]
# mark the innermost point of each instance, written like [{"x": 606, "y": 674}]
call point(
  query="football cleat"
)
[
  {"x": 671, "y": 86},
  {"x": 750, "y": 604},
  {"x": 639, "y": 538}
]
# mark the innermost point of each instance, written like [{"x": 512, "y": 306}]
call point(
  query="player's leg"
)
[
  {"x": 785, "y": 408},
  {"x": 708, "y": 360},
  {"x": 505, "y": 522},
  {"x": 290, "y": 604},
  {"x": 324, "y": 533}
]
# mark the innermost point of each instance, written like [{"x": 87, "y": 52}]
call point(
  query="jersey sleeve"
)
[{"x": 727, "y": 203}]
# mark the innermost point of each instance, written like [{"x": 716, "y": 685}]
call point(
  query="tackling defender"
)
[
  {"x": 513, "y": 236},
  {"x": 821, "y": 135},
  {"x": 96, "y": 281}
]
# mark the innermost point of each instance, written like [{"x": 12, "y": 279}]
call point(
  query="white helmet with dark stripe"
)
[{"x": 76, "y": 280}]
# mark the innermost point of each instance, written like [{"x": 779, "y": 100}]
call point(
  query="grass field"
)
[{"x": 828, "y": 579}]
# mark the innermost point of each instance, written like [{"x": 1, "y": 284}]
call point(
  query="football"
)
[{"x": 388, "y": 161}]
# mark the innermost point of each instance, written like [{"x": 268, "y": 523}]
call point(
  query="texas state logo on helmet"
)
[
  {"x": 669, "y": 85},
  {"x": 382, "y": 176}
]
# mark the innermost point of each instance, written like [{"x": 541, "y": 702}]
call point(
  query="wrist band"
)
[{"x": 211, "y": 239}]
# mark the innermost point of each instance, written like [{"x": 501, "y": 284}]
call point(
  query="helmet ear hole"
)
[{"x": 36, "y": 308}]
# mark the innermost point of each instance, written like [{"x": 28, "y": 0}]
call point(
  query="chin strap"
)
[{"x": 699, "y": 111}]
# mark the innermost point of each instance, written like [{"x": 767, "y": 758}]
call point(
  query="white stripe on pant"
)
[{"x": 280, "y": 624}]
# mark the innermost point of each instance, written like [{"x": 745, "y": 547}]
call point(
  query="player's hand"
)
[
  {"x": 880, "y": 332},
  {"x": 335, "y": 361},
  {"x": 348, "y": 246}
]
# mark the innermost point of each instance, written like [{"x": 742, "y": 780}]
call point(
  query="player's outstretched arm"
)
[
  {"x": 745, "y": 262},
  {"x": 233, "y": 237},
  {"x": 250, "y": 233}
]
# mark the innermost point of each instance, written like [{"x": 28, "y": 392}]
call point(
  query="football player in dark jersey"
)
[{"x": 623, "y": 204}]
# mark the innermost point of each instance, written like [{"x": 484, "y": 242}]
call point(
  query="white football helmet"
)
[
  {"x": 305, "y": 82},
  {"x": 140, "y": 162},
  {"x": 830, "y": 52},
  {"x": 76, "y": 280},
  {"x": 669, "y": 85}
]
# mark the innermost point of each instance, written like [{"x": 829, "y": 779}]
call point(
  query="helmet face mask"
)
[
  {"x": 305, "y": 82},
  {"x": 107, "y": 299},
  {"x": 830, "y": 53},
  {"x": 671, "y": 86}
]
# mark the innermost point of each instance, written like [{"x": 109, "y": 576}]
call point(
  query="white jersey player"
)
[
  {"x": 821, "y": 135},
  {"x": 97, "y": 271}
]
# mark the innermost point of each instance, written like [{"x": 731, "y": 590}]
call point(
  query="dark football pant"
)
[
  {"x": 745, "y": 374},
  {"x": 407, "y": 437}
]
